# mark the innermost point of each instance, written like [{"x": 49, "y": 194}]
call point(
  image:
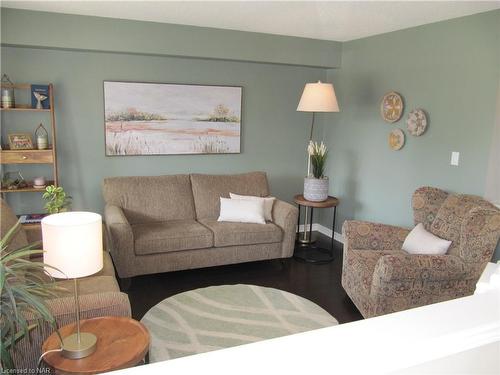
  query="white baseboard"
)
[{"x": 323, "y": 230}]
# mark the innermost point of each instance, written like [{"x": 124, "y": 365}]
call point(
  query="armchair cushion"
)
[
  {"x": 420, "y": 241},
  {"x": 396, "y": 267},
  {"x": 231, "y": 234},
  {"x": 452, "y": 214},
  {"x": 174, "y": 235},
  {"x": 359, "y": 268}
]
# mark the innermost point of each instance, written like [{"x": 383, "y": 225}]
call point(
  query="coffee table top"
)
[
  {"x": 121, "y": 343},
  {"x": 329, "y": 202}
]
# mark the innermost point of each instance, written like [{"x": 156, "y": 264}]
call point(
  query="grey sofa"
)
[{"x": 168, "y": 223}]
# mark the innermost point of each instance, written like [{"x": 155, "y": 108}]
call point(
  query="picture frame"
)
[
  {"x": 20, "y": 141},
  {"x": 148, "y": 118}
]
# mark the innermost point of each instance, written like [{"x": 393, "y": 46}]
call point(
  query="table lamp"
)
[
  {"x": 316, "y": 97},
  {"x": 72, "y": 244}
]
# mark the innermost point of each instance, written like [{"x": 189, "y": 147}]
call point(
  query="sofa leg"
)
[
  {"x": 283, "y": 263},
  {"x": 125, "y": 283}
]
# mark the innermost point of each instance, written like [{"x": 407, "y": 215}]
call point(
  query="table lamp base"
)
[{"x": 73, "y": 348}]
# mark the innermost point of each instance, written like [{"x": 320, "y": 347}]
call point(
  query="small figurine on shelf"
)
[
  {"x": 7, "y": 92},
  {"x": 42, "y": 137},
  {"x": 40, "y": 99}
]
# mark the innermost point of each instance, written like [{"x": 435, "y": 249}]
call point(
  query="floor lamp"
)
[
  {"x": 72, "y": 244},
  {"x": 316, "y": 97}
]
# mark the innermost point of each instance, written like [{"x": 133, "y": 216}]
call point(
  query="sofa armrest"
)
[
  {"x": 401, "y": 267},
  {"x": 364, "y": 235},
  {"x": 120, "y": 238},
  {"x": 285, "y": 216},
  {"x": 28, "y": 350}
]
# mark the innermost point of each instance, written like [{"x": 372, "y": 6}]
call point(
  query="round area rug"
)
[{"x": 219, "y": 317}]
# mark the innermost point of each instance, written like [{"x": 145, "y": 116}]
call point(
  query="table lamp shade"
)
[
  {"x": 318, "y": 97},
  {"x": 72, "y": 243}
]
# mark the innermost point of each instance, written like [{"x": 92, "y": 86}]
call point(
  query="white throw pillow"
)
[
  {"x": 268, "y": 203},
  {"x": 242, "y": 211},
  {"x": 420, "y": 241}
]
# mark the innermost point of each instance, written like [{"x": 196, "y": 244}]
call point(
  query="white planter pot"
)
[{"x": 316, "y": 189}]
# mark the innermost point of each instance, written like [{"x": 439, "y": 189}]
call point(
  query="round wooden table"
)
[
  {"x": 121, "y": 343},
  {"x": 305, "y": 250}
]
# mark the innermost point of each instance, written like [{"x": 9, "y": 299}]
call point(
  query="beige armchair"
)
[
  {"x": 380, "y": 278},
  {"x": 99, "y": 296}
]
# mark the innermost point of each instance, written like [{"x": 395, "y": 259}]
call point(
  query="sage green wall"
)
[
  {"x": 273, "y": 133},
  {"x": 450, "y": 69},
  {"x": 24, "y": 28}
]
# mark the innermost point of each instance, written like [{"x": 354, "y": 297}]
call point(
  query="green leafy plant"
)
[
  {"x": 318, "y": 154},
  {"x": 24, "y": 285},
  {"x": 57, "y": 200}
]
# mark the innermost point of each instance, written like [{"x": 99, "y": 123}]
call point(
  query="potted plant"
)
[
  {"x": 316, "y": 186},
  {"x": 57, "y": 200},
  {"x": 24, "y": 285}
]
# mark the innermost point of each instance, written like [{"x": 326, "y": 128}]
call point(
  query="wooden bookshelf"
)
[{"x": 33, "y": 156}]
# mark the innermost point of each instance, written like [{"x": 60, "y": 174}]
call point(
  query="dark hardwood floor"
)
[{"x": 317, "y": 283}]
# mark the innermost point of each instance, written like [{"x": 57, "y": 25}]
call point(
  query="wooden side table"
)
[
  {"x": 121, "y": 343},
  {"x": 306, "y": 251}
]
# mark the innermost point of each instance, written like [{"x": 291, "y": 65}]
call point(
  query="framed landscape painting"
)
[{"x": 171, "y": 119}]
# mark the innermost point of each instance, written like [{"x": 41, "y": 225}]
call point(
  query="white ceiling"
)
[{"x": 330, "y": 20}]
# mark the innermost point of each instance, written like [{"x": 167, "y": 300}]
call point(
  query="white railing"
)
[{"x": 462, "y": 334}]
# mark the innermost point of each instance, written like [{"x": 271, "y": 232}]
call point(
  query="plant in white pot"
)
[{"x": 316, "y": 185}]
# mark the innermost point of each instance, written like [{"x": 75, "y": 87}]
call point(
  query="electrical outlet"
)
[{"x": 455, "y": 157}]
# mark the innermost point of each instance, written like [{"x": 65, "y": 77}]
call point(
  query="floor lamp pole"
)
[{"x": 304, "y": 237}]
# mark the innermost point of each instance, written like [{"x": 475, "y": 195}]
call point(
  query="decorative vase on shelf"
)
[{"x": 316, "y": 189}]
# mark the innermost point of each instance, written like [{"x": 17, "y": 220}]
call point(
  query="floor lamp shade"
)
[
  {"x": 72, "y": 243},
  {"x": 318, "y": 97}
]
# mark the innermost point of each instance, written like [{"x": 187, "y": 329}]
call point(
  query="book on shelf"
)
[
  {"x": 31, "y": 218},
  {"x": 42, "y": 90}
]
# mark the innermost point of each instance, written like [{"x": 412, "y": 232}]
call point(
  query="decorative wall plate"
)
[
  {"x": 396, "y": 139},
  {"x": 391, "y": 107},
  {"x": 417, "y": 122}
]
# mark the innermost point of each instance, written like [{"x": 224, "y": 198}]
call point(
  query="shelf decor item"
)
[
  {"x": 171, "y": 119},
  {"x": 42, "y": 137},
  {"x": 316, "y": 186},
  {"x": 391, "y": 107},
  {"x": 417, "y": 122},
  {"x": 13, "y": 181},
  {"x": 39, "y": 94},
  {"x": 396, "y": 139},
  {"x": 39, "y": 182},
  {"x": 20, "y": 141},
  {"x": 72, "y": 244},
  {"x": 7, "y": 100}
]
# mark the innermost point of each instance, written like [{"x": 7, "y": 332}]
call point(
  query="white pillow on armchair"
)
[{"x": 420, "y": 241}]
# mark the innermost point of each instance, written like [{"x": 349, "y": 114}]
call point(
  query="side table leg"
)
[
  {"x": 333, "y": 226},
  {"x": 298, "y": 223},
  {"x": 310, "y": 225}
]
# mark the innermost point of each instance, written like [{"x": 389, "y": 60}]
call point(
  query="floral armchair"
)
[{"x": 380, "y": 278}]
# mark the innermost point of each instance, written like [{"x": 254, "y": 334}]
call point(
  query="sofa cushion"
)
[
  {"x": 231, "y": 234},
  {"x": 174, "y": 235},
  {"x": 452, "y": 213},
  {"x": 208, "y": 189},
  {"x": 149, "y": 199},
  {"x": 360, "y": 265}
]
